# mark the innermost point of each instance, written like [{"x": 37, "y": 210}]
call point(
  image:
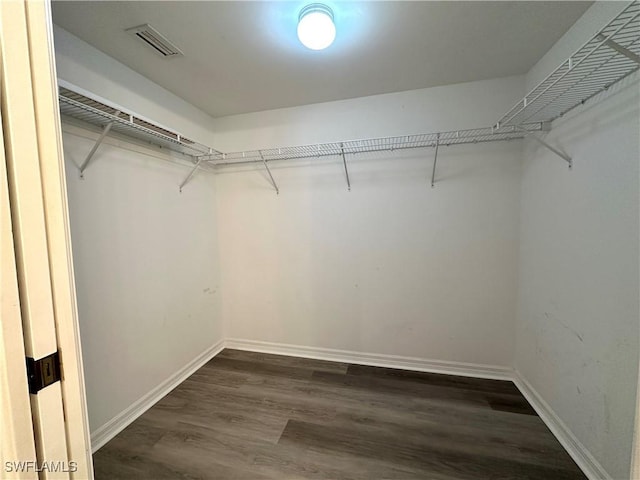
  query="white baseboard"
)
[
  {"x": 118, "y": 423},
  {"x": 580, "y": 454},
  {"x": 494, "y": 372}
]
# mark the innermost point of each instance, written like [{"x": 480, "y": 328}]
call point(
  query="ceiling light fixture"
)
[{"x": 316, "y": 29}]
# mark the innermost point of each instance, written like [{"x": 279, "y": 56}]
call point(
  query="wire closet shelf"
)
[
  {"x": 94, "y": 112},
  {"x": 386, "y": 144},
  {"x": 99, "y": 114},
  {"x": 609, "y": 56}
]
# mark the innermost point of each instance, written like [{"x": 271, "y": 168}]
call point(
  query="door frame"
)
[{"x": 38, "y": 225}]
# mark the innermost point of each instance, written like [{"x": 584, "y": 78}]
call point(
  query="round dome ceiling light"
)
[{"x": 316, "y": 29}]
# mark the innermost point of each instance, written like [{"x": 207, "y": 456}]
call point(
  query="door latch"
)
[{"x": 43, "y": 372}]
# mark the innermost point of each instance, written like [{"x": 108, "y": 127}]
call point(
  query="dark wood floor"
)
[{"x": 251, "y": 416}]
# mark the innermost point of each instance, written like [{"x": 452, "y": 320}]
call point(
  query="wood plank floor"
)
[{"x": 250, "y": 415}]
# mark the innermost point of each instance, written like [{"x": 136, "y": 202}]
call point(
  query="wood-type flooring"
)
[{"x": 247, "y": 415}]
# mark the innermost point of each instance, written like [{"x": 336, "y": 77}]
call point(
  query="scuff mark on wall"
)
[{"x": 567, "y": 327}]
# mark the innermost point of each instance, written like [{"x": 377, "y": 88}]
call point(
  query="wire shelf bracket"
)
[
  {"x": 346, "y": 170},
  {"x": 198, "y": 164},
  {"x": 558, "y": 152},
  {"x": 435, "y": 160},
  {"x": 93, "y": 150},
  {"x": 619, "y": 48},
  {"x": 191, "y": 174},
  {"x": 273, "y": 182}
]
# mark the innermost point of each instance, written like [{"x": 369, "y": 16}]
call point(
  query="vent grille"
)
[{"x": 154, "y": 39}]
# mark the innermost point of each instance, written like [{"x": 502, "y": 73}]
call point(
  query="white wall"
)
[
  {"x": 453, "y": 107},
  {"x": 392, "y": 267},
  {"x": 146, "y": 269},
  {"x": 578, "y": 315}
]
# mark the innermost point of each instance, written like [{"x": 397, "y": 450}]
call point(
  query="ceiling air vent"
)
[{"x": 155, "y": 40}]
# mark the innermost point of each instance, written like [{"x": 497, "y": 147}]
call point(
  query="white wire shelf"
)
[
  {"x": 109, "y": 118},
  {"x": 612, "y": 54},
  {"x": 81, "y": 107},
  {"x": 386, "y": 144}
]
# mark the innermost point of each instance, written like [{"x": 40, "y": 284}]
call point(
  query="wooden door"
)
[
  {"x": 39, "y": 223},
  {"x": 16, "y": 435}
]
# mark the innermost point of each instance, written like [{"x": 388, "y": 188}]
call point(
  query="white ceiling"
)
[{"x": 244, "y": 56}]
